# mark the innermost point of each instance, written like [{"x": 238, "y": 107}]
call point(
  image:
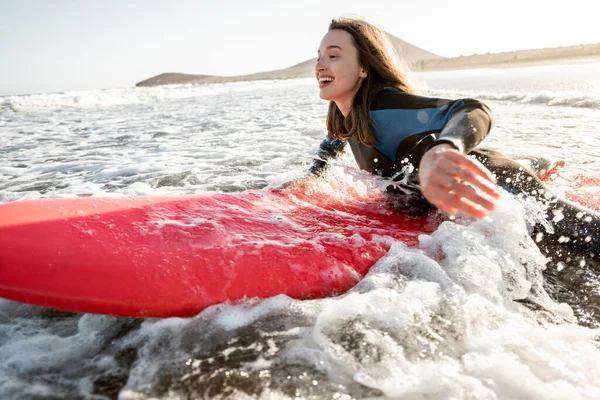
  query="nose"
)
[{"x": 319, "y": 66}]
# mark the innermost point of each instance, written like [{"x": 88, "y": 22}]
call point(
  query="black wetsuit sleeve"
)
[
  {"x": 328, "y": 149},
  {"x": 467, "y": 126}
]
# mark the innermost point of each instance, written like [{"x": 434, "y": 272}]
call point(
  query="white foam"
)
[
  {"x": 547, "y": 98},
  {"x": 419, "y": 325},
  {"x": 234, "y": 317},
  {"x": 435, "y": 329},
  {"x": 132, "y": 96}
]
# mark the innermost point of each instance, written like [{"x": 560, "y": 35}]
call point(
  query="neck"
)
[{"x": 344, "y": 106}]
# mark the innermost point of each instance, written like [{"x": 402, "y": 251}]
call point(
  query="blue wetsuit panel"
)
[{"x": 392, "y": 126}]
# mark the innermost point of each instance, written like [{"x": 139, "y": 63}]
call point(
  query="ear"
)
[{"x": 363, "y": 73}]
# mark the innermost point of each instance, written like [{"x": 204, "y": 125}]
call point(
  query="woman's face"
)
[{"x": 338, "y": 70}]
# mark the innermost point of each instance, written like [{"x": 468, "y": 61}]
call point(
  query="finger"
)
[
  {"x": 471, "y": 165},
  {"x": 449, "y": 202},
  {"x": 466, "y": 187},
  {"x": 466, "y": 191},
  {"x": 455, "y": 171},
  {"x": 481, "y": 185},
  {"x": 445, "y": 200}
]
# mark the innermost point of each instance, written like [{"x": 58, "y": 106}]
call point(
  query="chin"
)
[{"x": 324, "y": 96}]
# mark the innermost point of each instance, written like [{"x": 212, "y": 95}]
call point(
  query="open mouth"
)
[{"x": 324, "y": 81}]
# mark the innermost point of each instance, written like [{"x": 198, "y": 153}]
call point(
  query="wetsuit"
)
[{"x": 405, "y": 126}]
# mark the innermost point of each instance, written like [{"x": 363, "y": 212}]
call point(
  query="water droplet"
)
[{"x": 558, "y": 217}]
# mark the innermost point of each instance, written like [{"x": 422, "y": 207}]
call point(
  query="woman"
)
[{"x": 424, "y": 142}]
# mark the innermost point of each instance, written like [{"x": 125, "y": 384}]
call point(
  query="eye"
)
[{"x": 332, "y": 56}]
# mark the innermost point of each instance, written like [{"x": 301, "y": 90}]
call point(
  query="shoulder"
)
[{"x": 392, "y": 98}]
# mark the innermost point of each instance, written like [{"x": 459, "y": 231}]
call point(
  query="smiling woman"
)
[
  {"x": 427, "y": 145},
  {"x": 374, "y": 108}
]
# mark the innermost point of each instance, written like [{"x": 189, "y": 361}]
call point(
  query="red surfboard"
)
[{"x": 174, "y": 256}]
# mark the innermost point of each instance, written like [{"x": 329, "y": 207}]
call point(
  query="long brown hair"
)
[{"x": 376, "y": 56}]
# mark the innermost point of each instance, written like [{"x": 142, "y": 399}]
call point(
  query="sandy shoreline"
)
[
  {"x": 523, "y": 58},
  {"x": 553, "y": 56}
]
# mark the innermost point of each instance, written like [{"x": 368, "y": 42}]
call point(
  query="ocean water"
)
[{"x": 414, "y": 328}]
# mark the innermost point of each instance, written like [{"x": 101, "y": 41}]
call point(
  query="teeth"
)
[{"x": 325, "y": 79}]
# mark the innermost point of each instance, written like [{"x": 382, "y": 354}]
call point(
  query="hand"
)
[{"x": 455, "y": 183}]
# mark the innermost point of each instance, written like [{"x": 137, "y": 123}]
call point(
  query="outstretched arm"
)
[
  {"x": 467, "y": 127},
  {"x": 328, "y": 150},
  {"x": 451, "y": 180}
]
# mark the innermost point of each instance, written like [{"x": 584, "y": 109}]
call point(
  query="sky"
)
[{"x": 64, "y": 45}]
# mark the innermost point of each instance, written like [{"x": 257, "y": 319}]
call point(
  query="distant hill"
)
[
  {"x": 416, "y": 58},
  {"x": 518, "y": 58},
  {"x": 407, "y": 51}
]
